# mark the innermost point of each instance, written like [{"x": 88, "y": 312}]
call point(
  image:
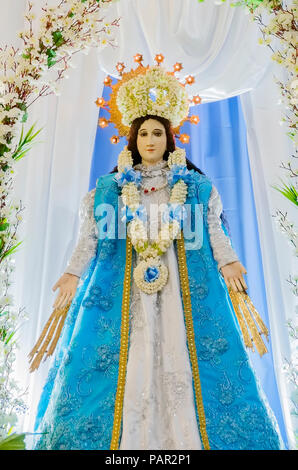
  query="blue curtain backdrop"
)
[{"x": 218, "y": 147}]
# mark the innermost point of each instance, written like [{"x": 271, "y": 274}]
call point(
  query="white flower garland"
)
[{"x": 151, "y": 274}]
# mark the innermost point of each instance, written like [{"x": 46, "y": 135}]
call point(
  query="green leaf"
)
[
  {"x": 3, "y": 149},
  {"x": 22, "y": 106},
  {"x": 10, "y": 251},
  {"x": 51, "y": 62},
  {"x": 41, "y": 45},
  {"x": 58, "y": 38},
  {"x": 22, "y": 154},
  {"x": 22, "y": 133},
  {"x": 10, "y": 337},
  {"x": 13, "y": 442},
  {"x": 29, "y": 136},
  {"x": 5, "y": 167},
  {"x": 51, "y": 53},
  {"x": 25, "y": 117},
  {"x": 3, "y": 334},
  {"x": 3, "y": 227},
  {"x": 25, "y": 143}
]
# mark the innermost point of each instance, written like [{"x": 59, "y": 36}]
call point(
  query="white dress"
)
[{"x": 158, "y": 408}]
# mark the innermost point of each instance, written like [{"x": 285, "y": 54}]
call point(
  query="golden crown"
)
[{"x": 148, "y": 90}]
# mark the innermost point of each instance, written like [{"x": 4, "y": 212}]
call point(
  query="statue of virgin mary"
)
[{"x": 151, "y": 355}]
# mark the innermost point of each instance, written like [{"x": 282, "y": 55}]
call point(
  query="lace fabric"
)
[
  {"x": 222, "y": 249},
  {"x": 87, "y": 238}
]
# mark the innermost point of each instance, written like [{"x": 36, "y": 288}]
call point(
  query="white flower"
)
[
  {"x": 157, "y": 284},
  {"x": 124, "y": 159},
  {"x": 177, "y": 157},
  {"x": 130, "y": 195}
]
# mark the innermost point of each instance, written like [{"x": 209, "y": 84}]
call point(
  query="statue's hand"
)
[
  {"x": 68, "y": 286},
  {"x": 233, "y": 277}
]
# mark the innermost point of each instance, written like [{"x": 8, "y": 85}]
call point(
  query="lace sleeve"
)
[
  {"x": 86, "y": 246},
  {"x": 221, "y": 245}
]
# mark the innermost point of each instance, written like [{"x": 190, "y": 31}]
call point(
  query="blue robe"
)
[{"x": 77, "y": 405}]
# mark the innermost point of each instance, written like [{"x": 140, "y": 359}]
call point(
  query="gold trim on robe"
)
[
  {"x": 123, "y": 348},
  {"x": 191, "y": 339}
]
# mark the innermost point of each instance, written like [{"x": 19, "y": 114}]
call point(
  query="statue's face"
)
[{"x": 151, "y": 141}]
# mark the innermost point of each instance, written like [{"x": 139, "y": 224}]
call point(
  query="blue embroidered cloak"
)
[{"x": 77, "y": 406}]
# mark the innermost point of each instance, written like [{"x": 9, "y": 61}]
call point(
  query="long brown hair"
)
[
  {"x": 132, "y": 141},
  {"x": 132, "y": 146}
]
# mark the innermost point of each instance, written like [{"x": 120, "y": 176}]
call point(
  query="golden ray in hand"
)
[
  {"x": 49, "y": 337},
  {"x": 249, "y": 321}
]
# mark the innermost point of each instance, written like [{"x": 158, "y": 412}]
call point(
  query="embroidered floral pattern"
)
[
  {"x": 211, "y": 349},
  {"x": 107, "y": 356},
  {"x": 88, "y": 432},
  {"x": 96, "y": 299},
  {"x": 175, "y": 389},
  {"x": 227, "y": 391},
  {"x": 252, "y": 430},
  {"x": 201, "y": 290},
  {"x": 104, "y": 326}
]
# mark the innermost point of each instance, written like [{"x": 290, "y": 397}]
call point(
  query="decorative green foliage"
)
[
  {"x": 289, "y": 191},
  {"x": 25, "y": 142},
  {"x": 13, "y": 442}
]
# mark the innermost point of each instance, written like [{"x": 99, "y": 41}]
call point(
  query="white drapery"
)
[{"x": 217, "y": 44}]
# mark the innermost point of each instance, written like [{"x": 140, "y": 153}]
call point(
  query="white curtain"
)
[
  {"x": 268, "y": 146},
  {"x": 217, "y": 44}
]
